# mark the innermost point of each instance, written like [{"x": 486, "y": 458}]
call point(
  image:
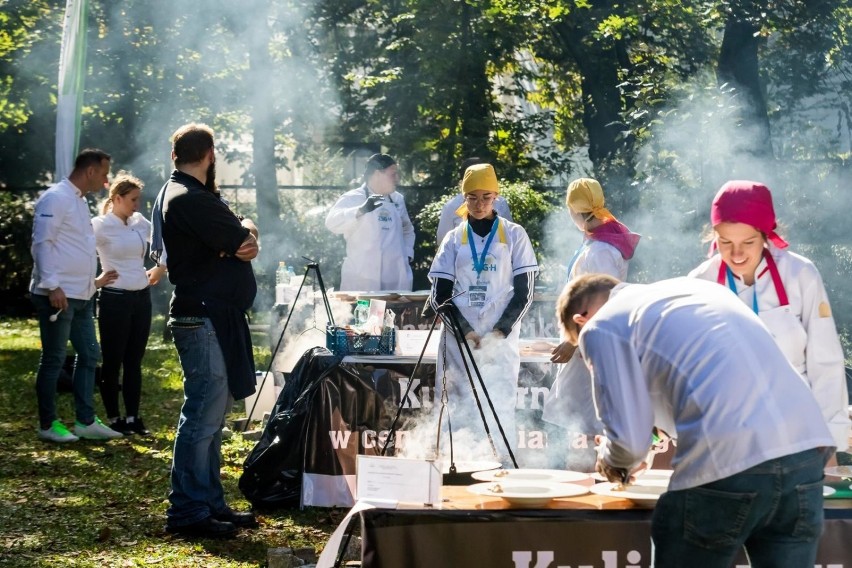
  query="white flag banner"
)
[{"x": 72, "y": 72}]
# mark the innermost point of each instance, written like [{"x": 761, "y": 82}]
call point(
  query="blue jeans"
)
[
  {"x": 774, "y": 509},
  {"x": 196, "y": 488},
  {"x": 77, "y": 324}
]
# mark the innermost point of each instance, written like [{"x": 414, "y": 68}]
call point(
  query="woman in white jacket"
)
[
  {"x": 124, "y": 307},
  {"x": 484, "y": 273},
  {"x": 783, "y": 288}
]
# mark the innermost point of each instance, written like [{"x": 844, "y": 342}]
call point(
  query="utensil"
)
[{"x": 54, "y": 317}]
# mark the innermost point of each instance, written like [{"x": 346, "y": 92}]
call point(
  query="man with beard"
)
[{"x": 209, "y": 261}]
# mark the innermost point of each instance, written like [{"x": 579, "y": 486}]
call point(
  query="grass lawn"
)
[{"x": 103, "y": 504}]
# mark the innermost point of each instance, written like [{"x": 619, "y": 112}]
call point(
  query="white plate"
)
[
  {"x": 552, "y": 475},
  {"x": 828, "y": 491},
  {"x": 646, "y": 495},
  {"x": 527, "y": 494},
  {"x": 839, "y": 471},
  {"x": 650, "y": 476}
]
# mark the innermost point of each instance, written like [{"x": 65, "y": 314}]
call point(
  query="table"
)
[{"x": 589, "y": 531}]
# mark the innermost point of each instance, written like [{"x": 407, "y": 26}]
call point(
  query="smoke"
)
[
  {"x": 307, "y": 327},
  {"x": 699, "y": 142}
]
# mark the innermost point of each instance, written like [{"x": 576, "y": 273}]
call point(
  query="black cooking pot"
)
[{"x": 461, "y": 474}]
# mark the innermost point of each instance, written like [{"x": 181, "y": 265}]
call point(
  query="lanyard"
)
[
  {"x": 725, "y": 271},
  {"x": 479, "y": 262},
  {"x": 577, "y": 254},
  {"x": 733, "y": 286}
]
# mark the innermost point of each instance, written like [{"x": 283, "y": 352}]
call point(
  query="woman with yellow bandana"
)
[
  {"x": 607, "y": 247},
  {"x": 485, "y": 272}
]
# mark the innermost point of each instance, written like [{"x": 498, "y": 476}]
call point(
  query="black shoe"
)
[
  {"x": 138, "y": 427},
  {"x": 206, "y": 528},
  {"x": 240, "y": 520},
  {"x": 121, "y": 426}
]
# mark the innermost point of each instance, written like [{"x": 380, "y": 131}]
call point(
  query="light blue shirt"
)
[{"x": 687, "y": 356}]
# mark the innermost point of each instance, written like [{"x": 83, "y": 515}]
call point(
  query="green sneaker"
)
[
  {"x": 57, "y": 433},
  {"x": 97, "y": 430}
]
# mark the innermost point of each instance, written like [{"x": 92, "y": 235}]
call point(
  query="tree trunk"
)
[
  {"x": 610, "y": 148},
  {"x": 739, "y": 68},
  {"x": 263, "y": 128}
]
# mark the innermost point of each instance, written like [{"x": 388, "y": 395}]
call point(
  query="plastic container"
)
[
  {"x": 343, "y": 341},
  {"x": 361, "y": 312},
  {"x": 282, "y": 279}
]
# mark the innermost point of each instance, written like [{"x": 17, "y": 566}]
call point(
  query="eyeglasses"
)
[{"x": 488, "y": 198}]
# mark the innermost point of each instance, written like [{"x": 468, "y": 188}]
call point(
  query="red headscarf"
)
[{"x": 748, "y": 202}]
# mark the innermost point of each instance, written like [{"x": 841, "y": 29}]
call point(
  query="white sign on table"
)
[
  {"x": 409, "y": 342},
  {"x": 399, "y": 480}
]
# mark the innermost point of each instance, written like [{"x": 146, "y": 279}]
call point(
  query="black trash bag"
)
[
  {"x": 321, "y": 395},
  {"x": 65, "y": 382}
]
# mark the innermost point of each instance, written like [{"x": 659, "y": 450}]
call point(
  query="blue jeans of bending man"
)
[
  {"x": 76, "y": 324},
  {"x": 774, "y": 509},
  {"x": 196, "y": 489}
]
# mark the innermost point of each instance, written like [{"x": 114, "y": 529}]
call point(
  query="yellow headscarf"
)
[
  {"x": 478, "y": 177},
  {"x": 585, "y": 195}
]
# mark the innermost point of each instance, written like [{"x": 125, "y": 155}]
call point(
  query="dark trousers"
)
[{"x": 124, "y": 322}]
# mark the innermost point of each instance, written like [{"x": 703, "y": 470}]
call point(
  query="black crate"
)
[{"x": 341, "y": 341}]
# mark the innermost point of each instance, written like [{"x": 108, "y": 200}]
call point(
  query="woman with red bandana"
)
[{"x": 783, "y": 288}]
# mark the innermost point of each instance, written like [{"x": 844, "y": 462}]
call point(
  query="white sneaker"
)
[
  {"x": 97, "y": 430},
  {"x": 57, "y": 433}
]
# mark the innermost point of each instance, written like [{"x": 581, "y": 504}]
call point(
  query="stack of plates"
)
[
  {"x": 536, "y": 475},
  {"x": 528, "y": 494},
  {"x": 529, "y": 488}
]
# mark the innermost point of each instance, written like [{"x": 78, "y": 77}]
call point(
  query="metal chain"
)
[{"x": 444, "y": 396}]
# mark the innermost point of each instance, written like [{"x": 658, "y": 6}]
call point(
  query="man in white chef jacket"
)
[
  {"x": 688, "y": 357},
  {"x": 379, "y": 235}
]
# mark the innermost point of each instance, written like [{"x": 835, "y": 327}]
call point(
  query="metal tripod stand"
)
[
  {"x": 312, "y": 265},
  {"x": 450, "y": 318}
]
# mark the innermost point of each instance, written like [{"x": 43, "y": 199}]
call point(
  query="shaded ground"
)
[{"x": 103, "y": 504}]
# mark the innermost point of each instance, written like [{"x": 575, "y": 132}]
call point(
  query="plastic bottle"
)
[
  {"x": 291, "y": 275},
  {"x": 281, "y": 280},
  {"x": 282, "y": 275},
  {"x": 362, "y": 310}
]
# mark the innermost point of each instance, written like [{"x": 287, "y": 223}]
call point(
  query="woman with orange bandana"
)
[
  {"x": 607, "y": 247},
  {"x": 783, "y": 288}
]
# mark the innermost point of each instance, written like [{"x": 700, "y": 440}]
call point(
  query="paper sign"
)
[
  {"x": 409, "y": 342},
  {"x": 398, "y": 479}
]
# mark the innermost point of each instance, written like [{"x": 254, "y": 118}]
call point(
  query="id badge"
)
[{"x": 476, "y": 295}]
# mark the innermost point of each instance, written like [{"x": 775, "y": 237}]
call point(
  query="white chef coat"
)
[
  {"x": 685, "y": 356},
  {"x": 804, "y": 329},
  {"x": 509, "y": 255},
  {"x": 449, "y": 220},
  {"x": 122, "y": 248},
  {"x": 63, "y": 248},
  {"x": 379, "y": 244},
  {"x": 598, "y": 257},
  {"x": 567, "y": 404}
]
